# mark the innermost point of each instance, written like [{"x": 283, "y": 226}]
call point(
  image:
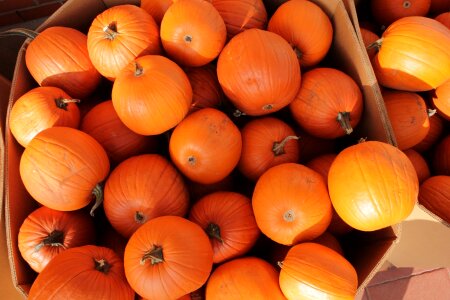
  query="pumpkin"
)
[
  {"x": 434, "y": 195},
  {"x": 241, "y": 15},
  {"x": 41, "y": 108},
  {"x": 369, "y": 38},
  {"x": 46, "y": 232},
  {"x": 441, "y": 157},
  {"x": 266, "y": 142},
  {"x": 409, "y": 117},
  {"x": 387, "y": 11},
  {"x": 87, "y": 272},
  {"x": 313, "y": 271},
  {"x": 419, "y": 163},
  {"x": 300, "y": 208},
  {"x": 259, "y": 82},
  {"x": 444, "y": 18},
  {"x": 206, "y": 89},
  {"x": 152, "y": 188},
  {"x": 58, "y": 57},
  {"x": 372, "y": 185},
  {"x": 441, "y": 100},
  {"x": 413, "y": 55},
  {"x": 156, "y": 8},
  {"x": 167, "y": 258},
  {"x": 63, "y": 168},
  {"x": 306, "y": 27},
  {"x": 438, "y": 6},
  {"x": 198, "y": 190},
  {"x": 118, "y": 36},
  {"x": 435, "y": 132},
  {"x": 329, "y": 103},
  {"x": 227, "y": 218},
  {"x": 119, "y": 142},
  {"x": 164, "y": 98},
  {"x": 206, "y": 146},
  {"x": 192, "y": 32},
  {"x": 311, "y": 146},
  {"x": 111, "y": 239},
  {"x": 244, "y": 278}
]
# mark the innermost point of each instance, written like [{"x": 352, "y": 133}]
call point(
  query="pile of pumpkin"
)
[{"x": 214, "y": 105}]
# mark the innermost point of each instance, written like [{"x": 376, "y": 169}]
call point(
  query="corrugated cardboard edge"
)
[{"x": 434, "y": 216}]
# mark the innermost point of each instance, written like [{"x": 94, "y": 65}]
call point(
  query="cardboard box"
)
[{"x": 366, "y": 251}]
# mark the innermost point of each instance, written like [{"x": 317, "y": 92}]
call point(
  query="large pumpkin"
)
[
  {"x": 413, "y": 55},
  {"x": 266, "y": 142},
  {"x": 39, "y": 109},
  {"x": 329, "y": 103},
  {"x": 87, "y": 272},
  {"x": 372, "y": 185},
  {"x": 441, "y": 100},
  {"x": 46, "y": 232},
  {"x": 244, "y": 278},
  {"x": 259, "y": 82},
  {"x": 62, "y": 168},
  {"x": 387, "y": 11},
  {"x": 419, "y": 163},
  {"x": 306, "y": 27},
  {"x": 192, "y": 32},
  {"x": 441, "y": 157},
  {"x": 434, "y": 194},
  {"x": 152, "y": 88},
  {"x": 119, "y": 35},
  {"x": 206, "y": 146},
  {"x": 167, "y": 258},
  {"x": 409, "y": 117},
  {"x": 434, "y": 134},
  {"x": 312, "y": 271},
  {"x": 291, "y": 204},
  {"x": 228, "y": 219},
  {"x": 152, "y": 188}
]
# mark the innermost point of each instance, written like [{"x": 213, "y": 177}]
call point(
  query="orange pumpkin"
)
[
  {"x": 167, "y": 258},
  {"x": 164, "y": 98},
  {"x": 306, "y": 27},
  {"x": 152, "y": 188},
  {"x": 387, "y": 11},
  {"x": 372, "y": 185},
  {"x": 156, "y": 8},
  {"x": 62, "y": 168},
  {"x": 409, "y": 117},
  {"x": 206, "y": 146},
  {"x": 291, "y": 204},
  {"x": 329, "y": 103},
  {"x": 259, "y": 82},
  {"x": 266, "y": 142},
  {"x": 441, "y": 157},
  {"x": 192, "y": 32},
  {"x": 198, "y": 190},
  {"x": 435, "y": 132},
  {"x": 311, "y": 146},
  {"x": 434, "y": 195},
  {"x": 368, "y": 39},
  {"x": 39, "y": 109},
  {"x": 419, "y": 163},
  {"x": 313, "y": 271},
  {"x": 441, "y": 100},
  {"x": 244, "y": 278},
  {"x": 444, "y": 18},
  {"x": 439, "y": 6},
  {"x": 119, "y": 35},
  {"x": 413, "y": 41}
]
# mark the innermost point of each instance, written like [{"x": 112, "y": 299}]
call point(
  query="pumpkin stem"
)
[
  {"x": 237, "y": 113},
  {"x": 20, "y": 32},
  {"x": 139, "y": 217},
  {"x": 54, "y": 239},
  {"x": 155, "y": 256},
  {"x": 289, "y": 216},
  {"x": 192, "y": 160},
  {"x": 298, "y": 53},
  {"x": 111, "y": 30},
  {"x": 280, "y": 264},
  {"x": 98, "y": 194},
  {"x": 362, "y": 140},
  {"x": 406, "y": 4},
  {"x": 278, "y": 147},
  {"x": 102, "y": 265},
  {"x": 268, "y": 107},
  {"x": 187, "y": 38},
  {"x": 213, "y": 231},
  {"x": 376, "y": 44},
  {"x": 138, "y": 69},
  {"x": 431, "y": 112},
  {"x": 344, "y": 120},
  {"x": 62, "y": 103}
]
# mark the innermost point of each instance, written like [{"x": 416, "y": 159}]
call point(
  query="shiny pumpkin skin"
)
[{"x": 434, "y": 195}]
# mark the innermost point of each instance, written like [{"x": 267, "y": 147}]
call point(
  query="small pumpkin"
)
[
  {"x": 152, "y": 188},
  {"x": 434, "y": 134},
  {"x": 372, "y": 185},
  {"x": 313, "y": 271},
  {"x": 119, "y": 35},
  {"x": 419, "y": 163},
  {"x": 329, "y": 103},
  {"x": 441, "y": 100},
  {"x": 444, "y": 18},
  {"x": 63, "y": 168},
  {"x": 300, "y": 208},
  {"x": 434, "y": 195},
  {"x": 192, "y": 32},
  {"x": 441, "y": 157},
  {"x": 206, "y": 146},
  {"x": 156, "y": 8},
  {"x": 266, "y": 142},
  {"x": 306, "y": 27},
  {"x": 41, "y": 108},
  {"x": 46, "y": 232},
  {"x": 259, "y": 82},
  {"x": 167, "y": 258},
  {"x": 88, "y": 272},
  {"x": 387, "y": 11}
]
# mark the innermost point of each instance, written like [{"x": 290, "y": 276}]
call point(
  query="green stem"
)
[
  {"x": 20, "y": 32},
  {"x": 376, "y": 44},
  {"x": 155, "y": 256},
  {"x": 98, "y": 194},
  {"x": 213, "y": 231}
]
